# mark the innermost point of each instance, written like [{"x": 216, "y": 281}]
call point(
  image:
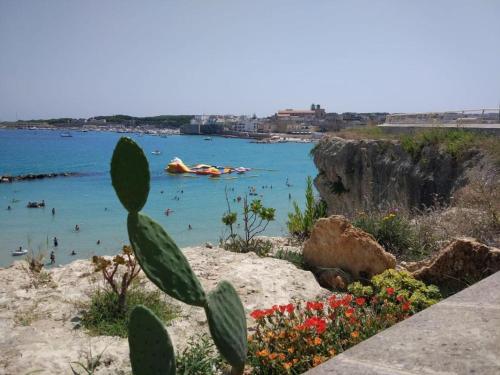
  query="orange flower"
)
[
  {"x": 281, "y": 357},
  {"x": 355, "y": 334},
  {"x": 349, "y": 312},
  {"x": 263, "y": 353},
  {"x": 272, "y": 356},
  {"x": 317, "y": 360},
  {"x": 331, "y": 352},
  {"x": 290, "y": 350},
  {"x": 287, "y": 365},
  {"x": 347, "y": 300},
  {"x": 317, "y": 341}
]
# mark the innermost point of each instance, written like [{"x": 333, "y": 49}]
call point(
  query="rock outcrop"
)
[
  {"x": 358, "y": 175},
  {"x": 37, "y": 326},
  {"x": 39, "y": 176},
  {"x": 462, "y": 262},
  {"x": 336, "y": 243}
]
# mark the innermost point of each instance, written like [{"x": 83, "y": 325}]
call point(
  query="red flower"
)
[
  {"x": 257, "y": 314},
  {"x": 318, "y": 323},
  {"x": 406, "y": 306},
  {"x": 390, "y": 291},
  {"x": 268, "y": 312},
  {"x": 334, "y": 302},
  {"x": 288, "y": 308},
  {"x": 314, "y": 306},
  {"x": 346, "y": 300},
  {"x": 400, "y": 298},
  {"x": 360, "y": 301}
]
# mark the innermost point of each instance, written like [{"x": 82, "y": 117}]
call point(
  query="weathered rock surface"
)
[
  {"x": 37, "y": 326},
  {"x": 462, "y": 261},
  {"x": 336, "y": 243},
  {"x": 358, "y": 175}
]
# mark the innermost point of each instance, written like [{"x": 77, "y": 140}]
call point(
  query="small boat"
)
[
  {"x": 19, "y": 252},
  {"x": 207, "y": 138},
  {"x": 66, "y": 135},
  {"x": 156, "y": 152},
  {"x": 36, "y": 204}
]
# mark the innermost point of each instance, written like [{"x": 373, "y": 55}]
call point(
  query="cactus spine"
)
[{"x": 167, "y": 267}]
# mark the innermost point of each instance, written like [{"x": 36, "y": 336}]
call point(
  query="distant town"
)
[
  {"x": 285, "y": 121},
  {"x": 307, "y": 123}
]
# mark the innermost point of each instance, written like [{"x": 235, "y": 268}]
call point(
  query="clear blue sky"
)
[{"x": 92, "y": 57}]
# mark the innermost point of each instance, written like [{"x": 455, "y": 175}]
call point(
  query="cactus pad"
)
[
  {"x": 162, "y": 261},
  {"x": 227, "y": 323},
  {"x": 151, "y": 351},
  {"x": 130, "y": 174}
]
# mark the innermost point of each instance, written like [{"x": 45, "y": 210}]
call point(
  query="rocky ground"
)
[{"x": 40, "y": 331}]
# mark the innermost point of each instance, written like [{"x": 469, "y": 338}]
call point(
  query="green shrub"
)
[
  {"x": 104, "y": 317},
  {"x": 294, "y": 257},
  {"x": 237, "y": 244},
  {"x": 394, "y": 232},
  {"x": 396, "y": 285},
  {"x": 300, "y": 223},
  {"x": 454, "y": 141},
  {"x": 359, "y": 290},
  {"x": 200, "y": 358},
  {"x": 255, "y": 219}
]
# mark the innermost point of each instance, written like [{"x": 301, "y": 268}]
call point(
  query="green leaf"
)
[
  {"x": 130, "y": 174},
  {"x": 227, "y": 323},
  {"x": 151, "y": 350},
  {"x": 162, "y": 261}
]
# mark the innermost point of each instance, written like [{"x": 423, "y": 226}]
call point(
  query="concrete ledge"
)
[{"x": 459, "y": 335}]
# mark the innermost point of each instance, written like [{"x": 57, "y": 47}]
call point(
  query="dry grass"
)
[
  {"x": 27, "y": 316},
  {"x": 474, "y": 212}
]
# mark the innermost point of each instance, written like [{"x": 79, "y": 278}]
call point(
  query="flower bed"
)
[{"x": 290, "y": 339}]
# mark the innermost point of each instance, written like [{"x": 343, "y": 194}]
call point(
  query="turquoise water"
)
[{"x": 90, "y": 201}]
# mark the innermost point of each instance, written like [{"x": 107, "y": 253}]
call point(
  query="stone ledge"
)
[{"x": 459, "y": 335}]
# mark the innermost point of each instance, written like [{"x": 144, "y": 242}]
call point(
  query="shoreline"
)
[{"x": 264, "y": 138}]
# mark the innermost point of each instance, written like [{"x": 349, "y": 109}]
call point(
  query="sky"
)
[{"x": 69, "y": 58}]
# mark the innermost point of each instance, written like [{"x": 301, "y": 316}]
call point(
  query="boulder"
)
[
  {"x": 336, "y": 243},
  {"x": 462, "y": 262}
]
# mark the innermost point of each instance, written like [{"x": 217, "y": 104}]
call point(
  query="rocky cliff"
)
[{"x": 358, "y": 175}]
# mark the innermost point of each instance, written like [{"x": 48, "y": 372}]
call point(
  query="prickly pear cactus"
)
[
  {"x": 151, "y": 351},
  {"x": 162, "y": 261},
  {"x": 167, "y": 267},
  {"x": 227, "y": 323},
  {"x": 130, "y": 174}
]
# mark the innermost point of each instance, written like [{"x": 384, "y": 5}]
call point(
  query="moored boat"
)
[{"x": 19, "y": 252}]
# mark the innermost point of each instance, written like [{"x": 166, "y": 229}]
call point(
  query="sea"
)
[{"x": 278, "y": 176}]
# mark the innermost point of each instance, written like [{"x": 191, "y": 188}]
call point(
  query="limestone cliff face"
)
[{"x": 356, "y": 175}]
